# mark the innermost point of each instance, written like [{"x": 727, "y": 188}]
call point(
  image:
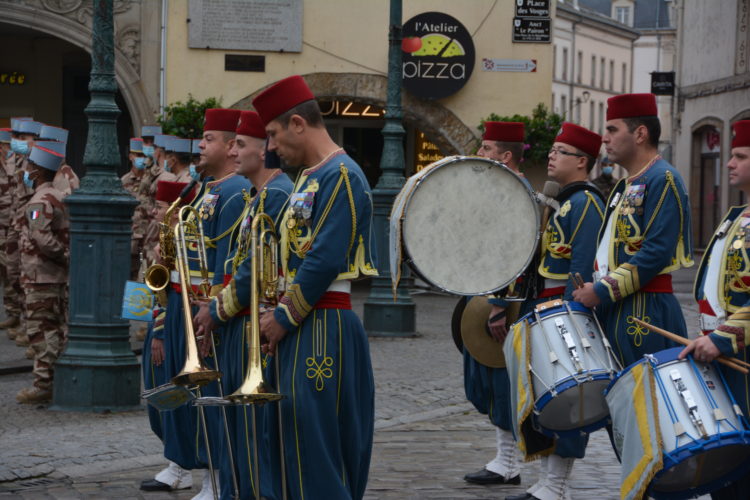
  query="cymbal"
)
[{"x": 476, "y": 335}]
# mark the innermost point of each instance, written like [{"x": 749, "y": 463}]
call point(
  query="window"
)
[
  {"x": 622, "y": 14},
  {"x": 563, "y": 106},
  {"x": 601, "y": 118},
  {"x": 593, "y": 71},
  {"x": 592, "y": 105},
  {"x": 611, "y": 74},
  {"x": 624, "y": 76},
  {"x": 565, "y": 64},
  {"x": 602, "y": 63},
  {"x": 578, "y": 110},
  {"x": 579, "y": 62},
  {"x": 554, "y": 63}
]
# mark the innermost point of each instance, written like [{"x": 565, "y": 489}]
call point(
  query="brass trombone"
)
[{"x": 264, "y": 280}]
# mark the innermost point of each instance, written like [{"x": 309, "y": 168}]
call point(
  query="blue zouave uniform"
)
[
  {"x": 645, "y": 236},
  {"x": 220, "y": 204},
  {"x": 568, "y": 246},
  {"x": 325, "y": 368},
  {"x": 722, "y": 289},
  {"x": 229, "y": 309}
]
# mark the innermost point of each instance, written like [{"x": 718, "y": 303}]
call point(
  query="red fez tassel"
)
[
  {"x": 631, "y": 106},
  {"x": 250, "y": 124},
  {"x": 281, "y": 97},
  {"x": 741, "y": 134},
  {"x": 581, "y": 138},
  {"x": 503, "y": 131},
  {"x": 224, "y": 120}
]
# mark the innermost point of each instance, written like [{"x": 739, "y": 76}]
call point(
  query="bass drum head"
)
[{"x": 470, "y": 226}]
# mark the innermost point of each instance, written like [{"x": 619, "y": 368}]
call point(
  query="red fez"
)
[
  {"x": 631, "y": 106},
  {"x": 503, "y": 131},
  {"x": 741, "y": 134},
  {"x": 581, "y": 138},
  {"x": 281, "y": 97},
  {"x": 168, "y": 191},
  {"x": 224, "y": 120},
  {"x": 250, "y": 124}
]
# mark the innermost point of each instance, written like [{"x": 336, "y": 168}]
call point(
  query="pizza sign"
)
[{"x": 438, "y": 55}]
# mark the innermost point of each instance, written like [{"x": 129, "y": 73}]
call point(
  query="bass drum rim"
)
[{"x": 434, "y": 167}]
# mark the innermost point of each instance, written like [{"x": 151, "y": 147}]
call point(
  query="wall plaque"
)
[{"x": 270, "y": 25}]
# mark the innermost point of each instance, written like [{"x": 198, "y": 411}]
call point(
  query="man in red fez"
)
[
  {"x": 486, "y": 387},
  {"x": 645, "y": 236},
  {"x": 219, "y": 204},
  {"x": 568, "y": 247},
  {"x": 725, "y": 307},
  {"x": 324, "y": 361}
]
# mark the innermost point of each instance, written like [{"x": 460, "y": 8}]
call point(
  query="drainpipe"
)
[
  {"x": 573, "y": 68},
  {"x": 163, "y": 57}
]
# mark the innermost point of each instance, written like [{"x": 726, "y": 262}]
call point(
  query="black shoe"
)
[
  {"x": 525, "y": 496},
  {"x": 154, "y": 485},
  {"x": 485, "y": 476}
]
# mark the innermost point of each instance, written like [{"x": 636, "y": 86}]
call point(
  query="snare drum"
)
[
  {"x": 466, "y": 225},
  {"x": 705, "y": 436},
  {"x": 571, "y": 365}
]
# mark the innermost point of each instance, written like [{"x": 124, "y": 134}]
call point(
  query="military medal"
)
[{"x": 737, "y": 244}]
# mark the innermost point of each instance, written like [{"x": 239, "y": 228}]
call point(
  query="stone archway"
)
[
  {"x": 70, "y": 20},
  {"x": 441, "y": 126}
]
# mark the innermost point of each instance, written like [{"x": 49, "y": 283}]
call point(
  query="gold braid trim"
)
[{"x": 210, "y": 241}]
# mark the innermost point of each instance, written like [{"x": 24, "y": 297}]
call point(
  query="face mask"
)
[
  {"x": 19, "y": 147},
  {"x": 607, "y": 170},
  {"x": 27, "y": 180},
  {"x": 167, "y": 168},
  {"x": 9, "y": 154},
  {"x": 139, "y": 162},
  {"x": 148, "y": 151},
  {"x": 194, "y": 173}
]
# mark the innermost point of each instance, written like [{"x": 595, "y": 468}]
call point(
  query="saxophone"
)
[{"x": 157, "y": 275}]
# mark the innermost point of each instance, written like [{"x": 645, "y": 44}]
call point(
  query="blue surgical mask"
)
[
  {"x": 139, "y": 162},
  {"x": 9, "y": 153},
  {"x": 27, "y": 180},
  {"x": 148, "y": 151},
  {"x": 167, "y": 168},
  {"x": 19, "y": 147},
  {"x": 194, "y": 173},
  {"x": 607, "y": 170}
]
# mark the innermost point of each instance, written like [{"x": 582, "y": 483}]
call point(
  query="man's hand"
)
[
  {"x": 586, "y": 295},
  {"x": 272, "y": 331},
  {"x": 204, "y": 326},
  {"x": 157, "y": 351},
  {"x": 497, "y": 327},
  {"x": 703, "y": 350}
]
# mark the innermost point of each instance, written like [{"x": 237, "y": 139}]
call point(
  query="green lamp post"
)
[
  {"x": 98, "y": 371},
  {"x": 384, "y": 316}
]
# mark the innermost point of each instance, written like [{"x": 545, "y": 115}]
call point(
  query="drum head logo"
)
[{"x": 438, "y": 55}]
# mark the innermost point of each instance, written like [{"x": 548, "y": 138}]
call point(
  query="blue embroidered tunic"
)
[
  {"x": 325, "y": 369},
  {"x": 645, "y": 236}
]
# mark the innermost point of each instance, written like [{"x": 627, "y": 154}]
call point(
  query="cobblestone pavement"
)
[{"x": 427, "y": 436}]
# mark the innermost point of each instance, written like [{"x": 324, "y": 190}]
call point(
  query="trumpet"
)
[{"x": 156, "y": 276}]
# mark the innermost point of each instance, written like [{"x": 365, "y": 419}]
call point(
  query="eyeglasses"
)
[{"x": 554, "y": 151}]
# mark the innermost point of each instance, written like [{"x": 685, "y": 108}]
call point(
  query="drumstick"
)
[
  {"x": 730, "y": 362},
  {"x": 684, "y": 341}
]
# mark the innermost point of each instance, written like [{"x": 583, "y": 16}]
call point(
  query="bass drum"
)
[{"x": 467, "y": 225}]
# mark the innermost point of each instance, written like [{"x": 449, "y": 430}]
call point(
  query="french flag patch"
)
[{"x": 35, "y": 214}]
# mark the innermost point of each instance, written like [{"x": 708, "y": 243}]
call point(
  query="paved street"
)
[{"x": 427, "y": 436}]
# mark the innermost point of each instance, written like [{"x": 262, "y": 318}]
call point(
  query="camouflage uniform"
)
[
  {"x": 44, "y": 276},
  {"x": 66, "y": 181},
  {"x": 152, "y": 226},
  {"x": 132, "y": 182},
  {"x": 7, "y": 165},
  {"x": 21, "y": 194}
]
